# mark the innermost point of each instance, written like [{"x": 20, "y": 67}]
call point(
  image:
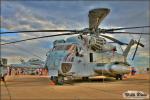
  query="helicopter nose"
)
[{"x": 120, "y": 69}]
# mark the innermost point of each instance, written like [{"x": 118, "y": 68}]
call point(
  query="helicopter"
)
[
  {"x": 88, "y": 53},
  {"x": 32, "y": 63}
]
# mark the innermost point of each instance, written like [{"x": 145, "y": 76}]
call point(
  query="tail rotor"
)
[{"x": 138, "y": 44}]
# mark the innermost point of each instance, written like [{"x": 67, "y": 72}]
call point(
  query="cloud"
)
[{"x": 34, "y": 15}]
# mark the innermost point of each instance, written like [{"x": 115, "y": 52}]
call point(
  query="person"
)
[
  {"x": 37, "y": 71},
  {"x": 147, "y": 69},
  {"x": 9, "y": 70},
  {"x": 3, "y": 73},
  {"x": 40, "y": 71},
  {"x": 133, "y": 71}
]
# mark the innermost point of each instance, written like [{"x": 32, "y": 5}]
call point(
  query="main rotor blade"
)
[
  {"x": 96, "y": 16},
  {"x": 29, "y": 52},
  {"x": 128, "y": 33},
  {"x": 38, "y": 38},
  {"x": 40, "y": 31},
  {"x": 115, "y": 29},
  {"x": 113, "y": 39}
]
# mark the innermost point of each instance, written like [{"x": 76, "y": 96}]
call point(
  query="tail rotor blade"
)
[{"x": 138, "y": 43}]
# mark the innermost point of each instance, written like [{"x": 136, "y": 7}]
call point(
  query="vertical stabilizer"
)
[{"x": 22, "y": 60}]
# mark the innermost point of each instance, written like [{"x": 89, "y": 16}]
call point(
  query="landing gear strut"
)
[{"x": 119, "y": 76}]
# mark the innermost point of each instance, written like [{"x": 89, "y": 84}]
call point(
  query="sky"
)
[{"x": 35, "y": 15}]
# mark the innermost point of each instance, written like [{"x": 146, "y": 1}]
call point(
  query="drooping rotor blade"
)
[
  {"x": 113, "y": 39},
  {"x": 40, "y": 31},
  {"x": 128, "y": 33},
  {"x": 115, "y": 29},
  {"x": 96, "y": 16},
  {"x": 136, "y": 48},
  {"x": 39, "y": 38}
]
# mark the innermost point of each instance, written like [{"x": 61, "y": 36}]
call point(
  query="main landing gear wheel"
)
[
  {"x": 85, "y": 78},
  {"x": 119, "y": 76},
  {"x": 58, "y": 80}
]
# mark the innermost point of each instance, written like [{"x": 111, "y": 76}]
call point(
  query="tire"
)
[
  {"x": 118, "y": 76},
  {"x": 54, "y": 79},
  {"x": 60, "y": 80},
  {"x": 85, "y": 78}
]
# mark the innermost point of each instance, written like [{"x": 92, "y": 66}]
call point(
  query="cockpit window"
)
[
  {"x": 71, "y": 47},
  {"x": 58, "y": 47}
]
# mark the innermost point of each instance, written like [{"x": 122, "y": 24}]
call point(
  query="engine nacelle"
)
[
  {"x": 108, "y": 47},
  {"x": 96, "y": 43},
  {"x": 100, "y": 44}
]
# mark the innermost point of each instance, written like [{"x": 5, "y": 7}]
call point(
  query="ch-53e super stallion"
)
[{"x": 87, "y": 53}]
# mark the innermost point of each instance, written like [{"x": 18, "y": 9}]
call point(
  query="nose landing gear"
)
[{"x": 58, "y": 80}]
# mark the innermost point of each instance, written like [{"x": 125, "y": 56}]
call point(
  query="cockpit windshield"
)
[{"x": 70, "y": 47}]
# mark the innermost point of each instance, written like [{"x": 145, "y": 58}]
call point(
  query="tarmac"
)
[{"x": 28, "y": 87}]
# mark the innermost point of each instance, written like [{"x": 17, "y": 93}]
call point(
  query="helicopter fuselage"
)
[{"x": 79, "y": 57}]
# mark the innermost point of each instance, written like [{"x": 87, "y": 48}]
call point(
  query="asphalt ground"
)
[{"x": 26, "y": 87}]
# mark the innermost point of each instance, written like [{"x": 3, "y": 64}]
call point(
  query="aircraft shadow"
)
[{"x": 78, "y": 81}]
